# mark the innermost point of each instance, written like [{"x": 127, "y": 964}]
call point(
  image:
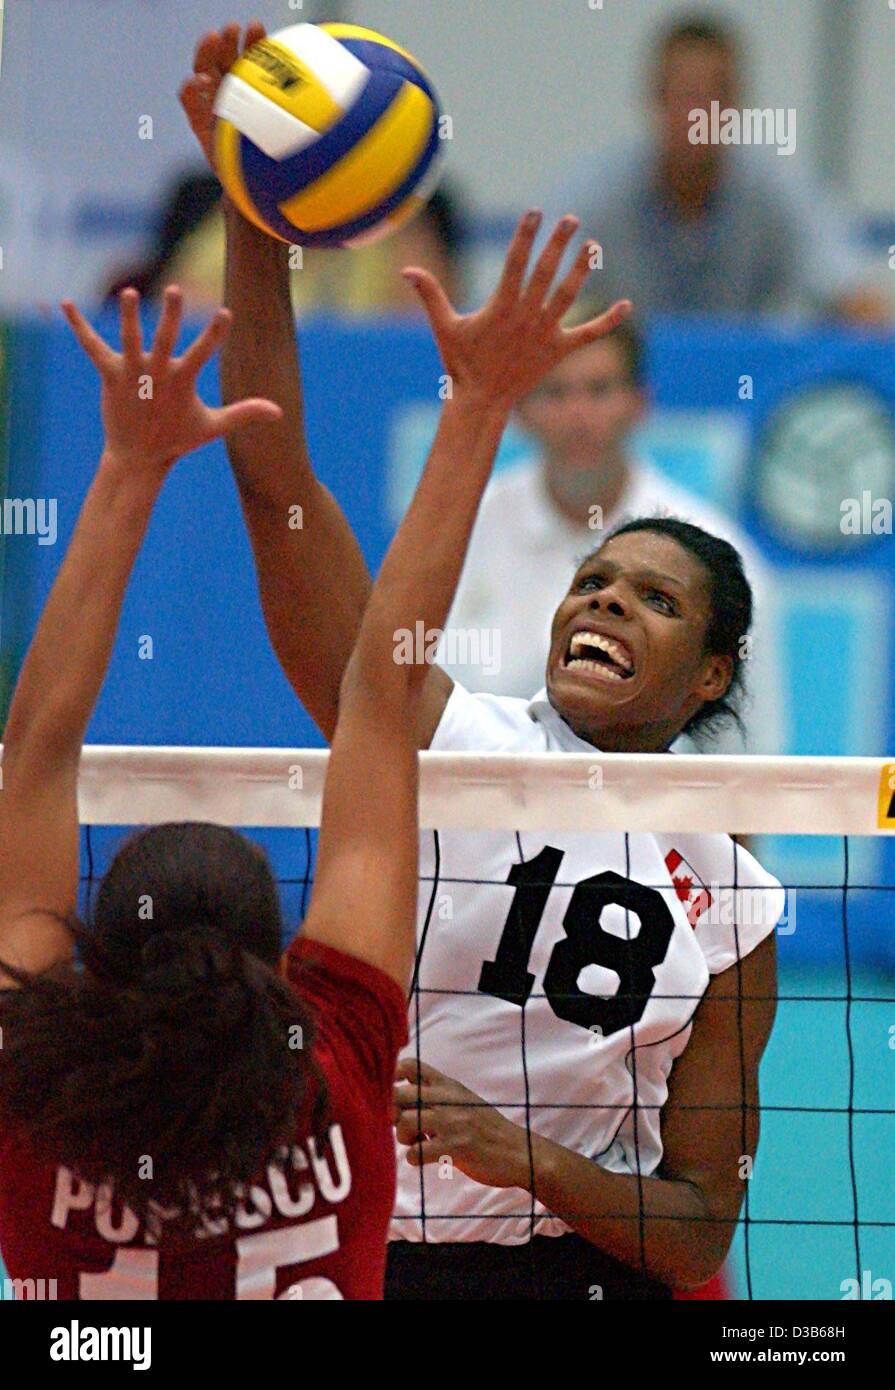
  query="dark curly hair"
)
[
  {"x": 174, "y": 1038},
  {"x": 730, "y": 597}
]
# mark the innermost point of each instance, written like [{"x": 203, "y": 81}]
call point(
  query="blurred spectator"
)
[
  {"x": 190, "y": 212},
  {"x": 539, "y": 519},
  {"x": 713, "y": 228},
  {"x": 189, "y": 251}
]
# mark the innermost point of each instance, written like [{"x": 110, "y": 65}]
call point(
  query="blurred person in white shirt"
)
[{"x": 539, "y": 518}]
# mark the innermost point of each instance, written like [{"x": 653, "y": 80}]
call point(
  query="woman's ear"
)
[{"x": 717, "y": 675}]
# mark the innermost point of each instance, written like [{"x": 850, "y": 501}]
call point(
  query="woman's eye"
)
[
  {"x": 591, "y": 583},
  {"x": 662, "y": 600}
]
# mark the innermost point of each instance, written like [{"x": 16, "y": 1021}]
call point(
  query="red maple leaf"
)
[{"x": 683, "y": 887}]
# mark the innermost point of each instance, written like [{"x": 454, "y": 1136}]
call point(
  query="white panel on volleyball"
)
[
  {"x": 275, "y": 131},
  {"x": 337, "y": 70},
  {"x": 267, "y": 125}
]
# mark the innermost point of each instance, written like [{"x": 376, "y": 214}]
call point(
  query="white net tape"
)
[{"x": 633, "y": 792}]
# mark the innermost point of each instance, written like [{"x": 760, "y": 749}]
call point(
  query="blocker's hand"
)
[
  {"x": 214, "y": 57},
  {"x": 150, "y": 410},
  {"x": 438, "y": 1118},
  {"x": 506, "y": 348}
]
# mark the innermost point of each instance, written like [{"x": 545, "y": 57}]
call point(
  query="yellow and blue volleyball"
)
[{"x": 327, "y": 135}]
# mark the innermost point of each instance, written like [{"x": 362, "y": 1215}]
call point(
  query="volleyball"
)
[{"x": 327, "y": 135}]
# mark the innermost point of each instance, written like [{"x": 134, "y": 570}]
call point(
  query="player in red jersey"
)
[{"x": 179, "y": 1120}]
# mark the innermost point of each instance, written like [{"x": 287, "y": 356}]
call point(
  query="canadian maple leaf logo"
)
[{"x": 688, "y": 886}]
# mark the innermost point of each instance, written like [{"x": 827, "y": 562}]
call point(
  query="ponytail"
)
[{"x": 172, "y": 1078}]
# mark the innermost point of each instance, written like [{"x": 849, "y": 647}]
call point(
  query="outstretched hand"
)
[
  {"x": 214, "y": 57},
  {"x": 150, "y": 410},
  {"x": 507, "y": 347}
]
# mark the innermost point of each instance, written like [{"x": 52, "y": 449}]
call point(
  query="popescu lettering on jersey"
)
[
  {"x": 313, "y": 1230},
  {"x": 598, "y": 946},
  {"x": 116, "y": 1223}
]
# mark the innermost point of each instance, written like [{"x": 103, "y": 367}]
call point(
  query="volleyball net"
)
[{"x": 819, "y": 1214}]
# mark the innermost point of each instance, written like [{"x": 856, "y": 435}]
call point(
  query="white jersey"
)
[{"x": 557, "y": 972}]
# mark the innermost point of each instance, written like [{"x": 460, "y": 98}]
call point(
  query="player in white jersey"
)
[
  {"x": 560, "y": 975},
  {"x": 574, "y": 974}
]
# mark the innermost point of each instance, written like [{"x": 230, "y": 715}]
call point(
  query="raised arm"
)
[
  {"x": 313, "y": 581},
  {"x": 366, "y": 882},
  {"x": 145, "y": 432}
]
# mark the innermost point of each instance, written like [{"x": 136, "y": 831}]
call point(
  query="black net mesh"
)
[{"x": 818, "y": 1219}]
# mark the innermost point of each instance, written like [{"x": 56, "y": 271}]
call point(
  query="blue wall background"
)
[
  {"x": 372, "y": 399},
  {"x": 371, "y": 402}
]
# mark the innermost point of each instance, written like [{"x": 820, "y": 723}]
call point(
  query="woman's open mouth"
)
[{"x": 600, "y": 656}]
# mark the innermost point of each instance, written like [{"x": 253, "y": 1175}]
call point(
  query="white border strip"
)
[{"x": 502, "y": 791}]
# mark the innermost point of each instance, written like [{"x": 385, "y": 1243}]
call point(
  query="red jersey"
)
[{"x": 314, "y": 1230}]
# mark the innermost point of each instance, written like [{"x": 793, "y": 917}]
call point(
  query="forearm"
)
[
  {"x": 261, "y": 358},
  {"x": 664, "y": 1222},
  {"x": 68, "y": 658},
  {"x": 368, "y": 860},
  {"x": 419, "y": 576},
  {"x": 313, "y": 581}
]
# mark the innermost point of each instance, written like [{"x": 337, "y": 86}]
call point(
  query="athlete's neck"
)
[
  {"x": 640, "y": 738},
  {"x": 688, "y": 184},
  {"x": 581, "y": 495},
  {"x": 627, "y": 740}
]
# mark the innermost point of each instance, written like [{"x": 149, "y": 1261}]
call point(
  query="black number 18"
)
[{"x": 586, "y": 942}]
